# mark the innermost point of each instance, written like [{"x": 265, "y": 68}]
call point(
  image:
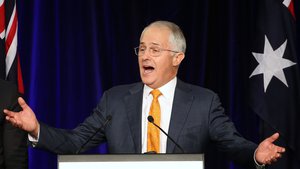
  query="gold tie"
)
[{"x": 153, "y": 132}]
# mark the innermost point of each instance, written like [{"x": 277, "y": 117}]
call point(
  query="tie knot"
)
[{"x": 155, "y": 93}]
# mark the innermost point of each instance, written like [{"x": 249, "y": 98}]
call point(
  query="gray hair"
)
[{"x": 176, "y": 39}]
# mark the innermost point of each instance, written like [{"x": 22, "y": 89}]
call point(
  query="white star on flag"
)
[
  {"x": 271, "y": 63},
  {"x": 286, "y": 3}
]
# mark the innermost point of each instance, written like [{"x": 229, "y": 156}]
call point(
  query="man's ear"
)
[{"x": 177, "y": 59}]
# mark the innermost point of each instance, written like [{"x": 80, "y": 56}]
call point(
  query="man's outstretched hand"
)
[
  {"x": 24, "y": 119},
  {"x": 267, "y": 152}
]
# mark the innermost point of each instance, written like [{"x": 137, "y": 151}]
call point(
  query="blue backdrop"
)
[{"x": 73, "y": 50}]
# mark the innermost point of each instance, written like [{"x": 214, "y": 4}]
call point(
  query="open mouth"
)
[{"x": 148, "y": 69}]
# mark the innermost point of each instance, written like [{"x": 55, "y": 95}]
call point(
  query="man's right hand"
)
[{"x": 24, "y": 119}]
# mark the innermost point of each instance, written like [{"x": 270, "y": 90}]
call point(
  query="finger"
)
[
  {"x": 11, "y": 120},
  {"x": 15, "y": 122},
  {"x": 19, "y": 124},
  {"x": 278, "y": 155},
  {"x": 280, "y": 149},
  {"x": 268, "y": 161},
  {"x": 7, "y": 118},
  {"x": 8, "y": 112},
  {"x": 273, "y": 137},
  {"x": 277, "y": 149},
  {"x": 22, "y": 102},
  {"x": 273, "y": 160}
]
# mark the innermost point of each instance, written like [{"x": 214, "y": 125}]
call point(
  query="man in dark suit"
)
[
  {"x": 193, "y": 116},
  {"x": 13, "y": 141}
]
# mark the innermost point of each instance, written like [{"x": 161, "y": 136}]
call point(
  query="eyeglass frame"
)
[{"x": 136, "y": 51}]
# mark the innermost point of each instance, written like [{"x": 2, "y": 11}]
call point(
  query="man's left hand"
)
[{"x": 267, "y": 152}]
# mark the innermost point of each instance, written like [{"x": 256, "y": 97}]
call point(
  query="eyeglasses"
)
[{"x": 153, "y": 51}]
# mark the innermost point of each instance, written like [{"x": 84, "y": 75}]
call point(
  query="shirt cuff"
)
[
  {"x": 258, "y": 166},
  {"x": 34, "y": 140}
]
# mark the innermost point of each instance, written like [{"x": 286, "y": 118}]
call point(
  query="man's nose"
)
[{"x": 146, "y": 54}]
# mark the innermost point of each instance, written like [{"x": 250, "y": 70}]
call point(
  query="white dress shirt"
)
[{"x": 165, "y": 102}]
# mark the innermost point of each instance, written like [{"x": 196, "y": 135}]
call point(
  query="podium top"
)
[
  {"x": 131, "y": 157},
  {"x": 132, "y": 161}
]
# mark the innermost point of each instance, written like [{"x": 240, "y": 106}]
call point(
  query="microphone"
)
[
  {"x": 151, "y": 120},
  {"x": 108, "y": 119}
]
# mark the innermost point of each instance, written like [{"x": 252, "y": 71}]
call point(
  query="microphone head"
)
[{"x": 150, "y": 119}]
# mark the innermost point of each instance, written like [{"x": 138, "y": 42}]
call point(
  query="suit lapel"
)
[
  {"x": 133, "y": 103},
  {"x": 180, "y": 110}
]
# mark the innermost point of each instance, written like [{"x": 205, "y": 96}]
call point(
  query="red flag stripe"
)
[
  {"x": 11, "y": 29},
  {"x": 11, "y": 54},
  {"x": 290, "y": 5},
  {"x": 11, "y": 40},
  {"x": 2, "y": 19},
  {"x": 291, "y": 8}
]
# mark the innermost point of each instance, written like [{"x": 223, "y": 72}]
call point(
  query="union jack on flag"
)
[{"x": 10, "y": 68}]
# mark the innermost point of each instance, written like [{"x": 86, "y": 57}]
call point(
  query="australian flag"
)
[
  {"x": 10, "y": 67},
  {"x": 274, "y": 77}
]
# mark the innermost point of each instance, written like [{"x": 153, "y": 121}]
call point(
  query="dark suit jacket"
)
[
  {"x": 197, "y": 119},
  {"x": 13, "y": 141}
]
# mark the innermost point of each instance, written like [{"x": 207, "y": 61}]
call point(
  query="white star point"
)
[{"x": 271, "y": 63}]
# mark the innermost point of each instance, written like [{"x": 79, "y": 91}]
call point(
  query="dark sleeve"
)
[
  {"x": 224, "y": 134},
  {"x": 62, "y": 141},
  {"x": 14, "y": 140}
]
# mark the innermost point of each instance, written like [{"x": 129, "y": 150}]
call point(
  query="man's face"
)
[{"x": 159, "y": 70}]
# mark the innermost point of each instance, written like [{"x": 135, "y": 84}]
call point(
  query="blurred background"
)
[{"x": 71, "y": 51}]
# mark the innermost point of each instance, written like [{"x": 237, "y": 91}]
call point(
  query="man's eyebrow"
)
[
  {"x": 152, "y": 43},
  {"x": 156, "y": 44}
]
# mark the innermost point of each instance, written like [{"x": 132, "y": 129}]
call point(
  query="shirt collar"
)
[{"x": 167, "y": 90}]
